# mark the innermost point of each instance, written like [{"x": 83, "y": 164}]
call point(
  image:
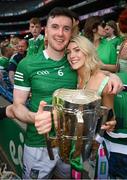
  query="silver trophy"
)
[{"x": 77, "y": 114}]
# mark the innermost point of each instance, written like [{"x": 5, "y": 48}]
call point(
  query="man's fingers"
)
[{"x": 41, "y": 107}]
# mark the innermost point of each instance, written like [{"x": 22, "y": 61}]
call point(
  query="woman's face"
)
[
  {"x": 75, "y": 56},
  {"x": 101, "y": 31}
]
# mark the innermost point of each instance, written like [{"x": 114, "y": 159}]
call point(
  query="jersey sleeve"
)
[
  {"x": 4, "y": 63},
  {"x": 21, "y": 78}
]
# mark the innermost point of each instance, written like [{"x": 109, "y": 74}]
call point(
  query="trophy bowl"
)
[{"x": 77, "y": 113}]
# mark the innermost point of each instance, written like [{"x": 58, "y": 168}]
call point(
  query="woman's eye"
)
[{"x": 67, "y": 52}]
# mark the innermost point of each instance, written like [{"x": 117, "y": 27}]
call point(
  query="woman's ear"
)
[{"x": 94, "y": 30}]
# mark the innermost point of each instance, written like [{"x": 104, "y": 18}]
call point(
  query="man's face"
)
[
  {"x": 35, "y": 29},
  {"x": 58, "y": 32},
  {"x": 22, "y": 46}
]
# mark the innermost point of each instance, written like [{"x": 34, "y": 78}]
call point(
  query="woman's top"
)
[{"x": 102, "y": 86}]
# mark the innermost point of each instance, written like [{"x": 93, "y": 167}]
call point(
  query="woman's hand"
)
[{"x": 109, "y": 125}]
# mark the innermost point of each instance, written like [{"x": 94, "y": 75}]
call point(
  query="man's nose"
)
[{"x": 60, "y": 31}]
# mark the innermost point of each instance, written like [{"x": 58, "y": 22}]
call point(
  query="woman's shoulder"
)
[
  {"x": 100, "y": 75},
  {"x": 102, "y": 82},
  {"x": 96, "y": 80}
]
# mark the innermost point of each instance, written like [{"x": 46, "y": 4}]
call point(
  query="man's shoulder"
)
[
  {"x": 31, "y": 39},
  {"x": 31, "y": 59},
  {"x": 41, "y": 37},
  {"x": 24, "y": 61},
  {"x": 13, "y": 57}
]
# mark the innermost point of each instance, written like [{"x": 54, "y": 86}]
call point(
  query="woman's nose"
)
[{"x": 72, "y": 55}]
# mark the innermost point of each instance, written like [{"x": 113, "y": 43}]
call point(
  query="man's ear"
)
[{"x": 45, "y": 31}]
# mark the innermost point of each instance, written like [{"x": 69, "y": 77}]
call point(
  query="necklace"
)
[{"x": 83, "y": 83}]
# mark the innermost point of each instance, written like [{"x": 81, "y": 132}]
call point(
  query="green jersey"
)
[
  {"x": 4, "y": 62},
  {"x": 42, "y": 76},
  {"x": 115, "y": 41},
  {"x": 35, "y": 45},
  {"x": 107, "y": 52}
]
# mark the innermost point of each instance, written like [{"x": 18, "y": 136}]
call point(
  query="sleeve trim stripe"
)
[
  {"x": 18, "y": 76},
  {"x": 18, "y": 79},
  {"x": 18, "y": 73},
  {"x": 22, "y": 88}
]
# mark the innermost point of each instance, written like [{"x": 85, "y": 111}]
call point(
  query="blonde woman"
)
[{"x": 82, "y": 57}]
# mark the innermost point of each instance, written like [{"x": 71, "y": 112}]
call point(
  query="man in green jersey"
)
[{"x": 41, "y": 75}]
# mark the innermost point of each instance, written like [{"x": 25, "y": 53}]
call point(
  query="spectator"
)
[
  {"x": 4, "y": 63},
  {"x": 75, "y": 29},
  {"x": 112, "y": 34},
  {"x": 14, "y": 43},
  {"x": 36, "y": 43},
  {"x": 6, "y": 53},
  {"x": 94, "y": 30},
  {"x": 16, "y": 58}
]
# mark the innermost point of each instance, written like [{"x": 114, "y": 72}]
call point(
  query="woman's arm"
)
[{"x": 115, "y": 85}]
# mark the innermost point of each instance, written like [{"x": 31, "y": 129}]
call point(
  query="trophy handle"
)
[
  {"x": 104, "y": 112},
  {"x": 48, "y": 141}
]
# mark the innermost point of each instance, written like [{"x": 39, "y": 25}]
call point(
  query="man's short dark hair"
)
[{"x": 60, "y": 11}]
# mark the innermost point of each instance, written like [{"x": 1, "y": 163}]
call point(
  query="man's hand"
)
[
  {"x": 43, "y": 121},
  {"x": 115, "y": 85},
  {"x": 10, "y": 112}
]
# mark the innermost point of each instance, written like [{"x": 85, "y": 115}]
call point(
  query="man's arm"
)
[
  {"x": 109, "y": 67},
  {"x": 115, "y": 85},
  {"x": 20, "y": 110}
]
